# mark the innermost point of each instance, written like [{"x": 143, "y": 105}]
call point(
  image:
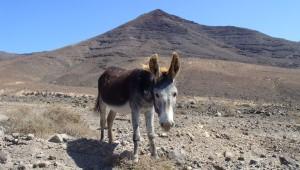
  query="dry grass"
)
[
  {"x": 47, "y": 121},
  {"x": 146, "y": 162}
]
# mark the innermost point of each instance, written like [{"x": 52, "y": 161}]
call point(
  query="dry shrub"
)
[
  {"x": 146, "y": 162},
  {"x": 47, "y": 121}
]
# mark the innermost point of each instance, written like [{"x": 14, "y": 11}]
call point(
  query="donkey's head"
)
[{"x": 164, "y": 90}]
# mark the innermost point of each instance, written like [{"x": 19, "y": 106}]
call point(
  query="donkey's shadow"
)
[{"x": 93, "y": 154}]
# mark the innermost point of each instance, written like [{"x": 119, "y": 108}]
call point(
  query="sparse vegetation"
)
[
  {"x": 147, "y": 162},
  {"x": 52, "y": 119}
]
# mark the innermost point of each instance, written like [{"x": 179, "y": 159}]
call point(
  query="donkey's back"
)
[{"x": 117, "y": 86}]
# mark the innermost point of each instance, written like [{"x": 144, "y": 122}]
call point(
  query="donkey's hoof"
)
[
  {"x": 155, "y": 157},
  {"x": 112, "y": 141},
  {"x": 135, "y": 159}
]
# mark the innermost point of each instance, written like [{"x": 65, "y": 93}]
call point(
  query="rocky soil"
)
[{"x": 210, "y": 133}]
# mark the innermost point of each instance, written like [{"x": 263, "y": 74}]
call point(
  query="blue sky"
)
[{"x": 38, "y": 25}]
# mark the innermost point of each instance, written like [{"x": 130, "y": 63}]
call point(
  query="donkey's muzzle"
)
[{"x": 167, "y": 126}]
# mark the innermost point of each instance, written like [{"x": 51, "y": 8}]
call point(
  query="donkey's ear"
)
[
  {"x": 153, "y": 65},
  {"x": 175, "y": 65}
]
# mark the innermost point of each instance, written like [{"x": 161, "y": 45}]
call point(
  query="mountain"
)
[
  {"x": 7, "y": 56},
  {"x": 256, "y": 66},
  {"x": 160, "y": 32}
]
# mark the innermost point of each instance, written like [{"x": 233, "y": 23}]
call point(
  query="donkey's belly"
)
[{"x": 122, "y": 109}]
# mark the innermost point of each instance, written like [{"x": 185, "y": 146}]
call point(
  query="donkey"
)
[{"x": 138, "y": 91}]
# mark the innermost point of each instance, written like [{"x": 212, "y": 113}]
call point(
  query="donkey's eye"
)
[
  {"x": 174, "y": 94},
  {"x": 156, "y": 95}
]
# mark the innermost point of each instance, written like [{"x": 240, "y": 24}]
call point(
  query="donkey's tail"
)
[{"x": 97, "y": 107}]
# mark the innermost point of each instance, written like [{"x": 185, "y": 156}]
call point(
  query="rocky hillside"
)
[
  {"x": 160, "y": 32},
  {"x": 6, "y": 56}
]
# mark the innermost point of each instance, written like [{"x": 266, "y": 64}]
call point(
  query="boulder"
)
[{"x": 178, "y": 155}]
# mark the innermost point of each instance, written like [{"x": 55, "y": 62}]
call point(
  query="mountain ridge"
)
[{"x": 160, "y": 32}]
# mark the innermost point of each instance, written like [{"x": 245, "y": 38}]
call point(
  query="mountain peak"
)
[
  {"x": 157, "y": 12},
  {"x": 157, "y": 20}
]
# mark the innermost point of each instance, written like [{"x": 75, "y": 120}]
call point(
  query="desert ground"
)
[{"x": 54, "y": 127}]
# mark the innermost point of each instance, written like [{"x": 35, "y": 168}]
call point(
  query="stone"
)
[
  {"x": 228, "y": 155},
  {"x": 51, "y": 157},
  {"x": 163, "y": 135},
  {"x": 117, "y": 142},
  {"x": 66, "y": 137},
  {"x": 191, "y": 136},
  {"x": 124, "y": 143},
  {"x": 64, "y": 146},
  {"x": 218, "y": 114},
  {"x": 192, "y": 102},
  {"x": 15, "y": 135},
  {"x": 30, "y": 136},
  {"x": 21, "y": 167},
  {"x": 245, "y": 133},
  {"x": 3, "y": 118},
  {"x": 178, "y": 155},
  {"x": 188, "y": 168},
  {"x": 218, "y": 167},
  {"x": 9, "y": 138},
  {"x": 211, "y": 158},
  {"x": 180, "y": 105},
  {"x": 2, "y": 132},
  {"x": 283, "y": 160},
  {"x": 55, "y": 164},
  {"x": 252, "y": 162},
  {"x": 41, "y": 164},
  {"x": 241, "y": 158},
  {"x": 15, "y": 141},
  {"x": 3, "y": 157},
  {"x": 142, "y": 152},
  {"x": 206, "y": 134},
  {"x": 40, "y": 155},
  {"x": 262, "y": 156},
  {"x": 56, "y": 139}
]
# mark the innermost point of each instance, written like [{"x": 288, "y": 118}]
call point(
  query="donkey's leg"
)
[
  {"x": 110, "y": 120},
  {"x": 102, "y": 119},
  {"x": 149, "y": 118},
  {"x": 136, "y": 133}
]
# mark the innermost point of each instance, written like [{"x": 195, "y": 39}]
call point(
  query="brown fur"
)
[
  {"x": 157, "y": 70},
  {"x": 174, "y": 67}
]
